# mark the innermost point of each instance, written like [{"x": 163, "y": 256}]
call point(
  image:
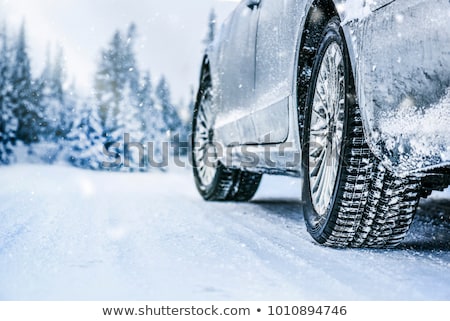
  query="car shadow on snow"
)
[
  {"x": 290, "y": 209},
  {"x": 430, "y": 230}
]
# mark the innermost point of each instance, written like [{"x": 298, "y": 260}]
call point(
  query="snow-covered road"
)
[{"x": 80, "y": 235}]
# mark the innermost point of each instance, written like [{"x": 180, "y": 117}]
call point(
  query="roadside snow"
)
[{"x": 68, "y": 234}]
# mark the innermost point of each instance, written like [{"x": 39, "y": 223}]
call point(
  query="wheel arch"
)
[
  {"x": 204, "y": 70},
  {"x": 318, "y": 15},
  {"x": 205, "y": 67}
]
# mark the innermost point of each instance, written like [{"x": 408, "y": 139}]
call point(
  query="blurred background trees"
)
[{"x": 47, "y": 117}]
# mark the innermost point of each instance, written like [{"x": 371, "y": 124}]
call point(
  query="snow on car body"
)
[{"x": 342, "y": 93}]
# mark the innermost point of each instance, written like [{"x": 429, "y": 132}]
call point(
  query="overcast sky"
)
[{"x": 170, "y": 33}]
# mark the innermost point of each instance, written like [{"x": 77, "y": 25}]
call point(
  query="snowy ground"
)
[{"x": 68, "y": 234}]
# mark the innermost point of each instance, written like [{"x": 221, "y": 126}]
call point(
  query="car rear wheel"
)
[
  {"x": 351, "y": 199},
  {"x": 214, "y": 181}
]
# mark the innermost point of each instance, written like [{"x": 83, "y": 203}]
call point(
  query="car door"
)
[
  {"x": 276, "y": 44},
  {"x": 236, "y": 74},
  {"x": 278, "y": 26}
]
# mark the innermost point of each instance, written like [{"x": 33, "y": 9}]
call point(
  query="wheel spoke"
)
[
  {"x": 317, "y": 153},
  {"x": 319, "y": 114},
  {"x": 321, "y": 97},
  {"x": 318, "y": 173},
  {"x": 320, "y": 130}
]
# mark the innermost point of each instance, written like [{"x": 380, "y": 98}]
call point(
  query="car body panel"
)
[
  {"x": 402, "y": 79},
  {"x": 236, "y": 76},
  {"x": 275, "y": 58},
  {"x": 401, "y": 70}
]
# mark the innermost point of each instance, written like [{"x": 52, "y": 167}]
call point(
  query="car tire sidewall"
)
[
  {"x": 206, "y": 191},
  {"x": 332, "y": 34}
]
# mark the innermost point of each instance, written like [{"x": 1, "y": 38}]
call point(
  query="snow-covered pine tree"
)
[
  {"x": 146, "y": 105},
  {"x": 71, "y": 101},
  {"x": 171, "y": 117},
  {"x": 26, "y": 95},
  {"x": 185, "y": 133},
  {"x": 116, "y": 71},
  {"x": 131, "y": 109},
  {"x": 129, "y": 132},
  {"x": 117, "y": 92},
  {"x": 153, "y": 123},
  {"x": 8, "y": 122},
  {"x": 172, "y": 121},
  {"x": 129, "y": 61},
  {"x": 212, "y": 22},
  {"x": 85, "y": 139},
  {"x": 109, "y": 82},
  {"x": 58, "y": 107}
]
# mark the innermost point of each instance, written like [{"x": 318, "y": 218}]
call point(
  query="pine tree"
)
[
  {"x": 129, "y": 131},
  {"x": 86, "y": 139},
  {"x": 172, "y": 120},
  {"x": 26, "y": 95},
  {"x": 71, "y": 101},
  {"x": 152, "y": 119},
  {"x": 50, "y": 100},
  {"x": 211, "y": 28},
  {"x": 117, "y": 73},
  {"x": 58, "y": 107},
  {"x": 8, "y": 122},
  {"x": 129, "y": 59},
  {"x": 119, "y": 97},
  {"x": 109, "y": 83},
  {"x": 185, "y": 135}
]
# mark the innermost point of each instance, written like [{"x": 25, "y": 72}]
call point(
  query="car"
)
[{"x": 351, "y": 96}]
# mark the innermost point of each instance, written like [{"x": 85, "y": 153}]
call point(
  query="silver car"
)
[{"x": 352, "y": 96}]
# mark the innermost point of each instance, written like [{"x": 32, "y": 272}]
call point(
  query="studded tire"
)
[{"x": 368, "y": 206}]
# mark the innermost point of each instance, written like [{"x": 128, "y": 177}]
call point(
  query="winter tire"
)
[
  {"x": 214, "y": 181},
  {"x": 351, "y": 199}
]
